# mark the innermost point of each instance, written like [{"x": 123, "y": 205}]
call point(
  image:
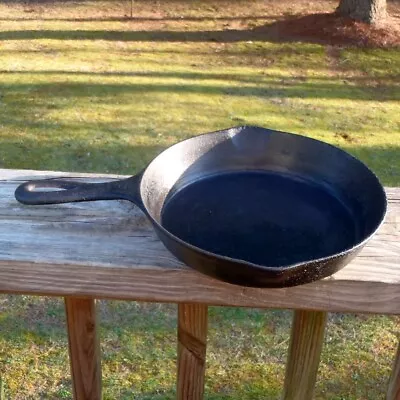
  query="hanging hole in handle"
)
[
  {"x": 52, "y": 185},
  {"x": 41, "y": 189},
  {"x": 52, "y": 191}
]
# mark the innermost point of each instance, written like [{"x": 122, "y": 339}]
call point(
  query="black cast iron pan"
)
[{"x": 247, "y": 205}]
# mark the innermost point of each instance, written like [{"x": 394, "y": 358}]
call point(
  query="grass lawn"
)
[{"x": 82, "y": 88}]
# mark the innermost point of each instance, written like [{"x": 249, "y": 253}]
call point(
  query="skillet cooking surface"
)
[{"x": 262, "y": 217}]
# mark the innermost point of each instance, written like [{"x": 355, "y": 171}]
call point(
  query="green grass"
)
[
  {"x": 246, "y": 357},
  {"x": 106, "y": 94}
]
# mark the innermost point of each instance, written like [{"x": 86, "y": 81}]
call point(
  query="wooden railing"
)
[{"x": 94, "y": 250}]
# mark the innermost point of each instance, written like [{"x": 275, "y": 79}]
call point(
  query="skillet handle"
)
[{"x": 71, "y": 191}]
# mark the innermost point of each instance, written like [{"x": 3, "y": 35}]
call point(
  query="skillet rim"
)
[{"x": 281, "y": 270}]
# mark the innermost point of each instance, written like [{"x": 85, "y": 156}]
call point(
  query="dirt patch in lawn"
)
[
  {"x": 268, "y": 20},
  {"x": 333, "y": 29}
]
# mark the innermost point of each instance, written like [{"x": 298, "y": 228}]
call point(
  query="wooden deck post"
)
[
  {"x": 394, "y": 383},
  {"x": 84, "y": 348},
  {"x": 307, "y": 337},
  {"x": 192, "y": 343}
]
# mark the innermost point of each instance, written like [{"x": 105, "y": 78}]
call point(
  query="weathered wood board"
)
[{"x": 107, "y": 249}]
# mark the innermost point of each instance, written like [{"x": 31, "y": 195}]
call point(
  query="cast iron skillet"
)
[{"x": 247, "y": 205}]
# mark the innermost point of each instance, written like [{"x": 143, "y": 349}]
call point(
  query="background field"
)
[{"x": 84, "y": 88}]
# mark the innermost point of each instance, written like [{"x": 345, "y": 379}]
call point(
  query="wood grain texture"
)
[
  {"x": 394, "y": 383},
  {"x": 107, "y": 249},
  {"x": 84, "y": 348},
  {"x": 192, "y": 343},
  {"x": 306, "y": 341}
]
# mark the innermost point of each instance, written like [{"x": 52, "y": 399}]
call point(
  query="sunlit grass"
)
[
  {"x": 246, "y": 356},
  {"x": 87, "y": 98}
]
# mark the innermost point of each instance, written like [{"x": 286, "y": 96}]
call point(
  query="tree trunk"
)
[{"x": 370, "y": 11}]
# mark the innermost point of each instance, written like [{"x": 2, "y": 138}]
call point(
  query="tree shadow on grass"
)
[
  {"x": 324, "y": 28},
  {"x": 227, "y": 36},
  {"x": 77, "y": 155},
  {"x": 144, "y": 19},
  {"x": 103, "y": 146},
  {"x": 283, "y": 88},
  {"x": 248, "y": 54},
  {"x": 270, "y": 79}
]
